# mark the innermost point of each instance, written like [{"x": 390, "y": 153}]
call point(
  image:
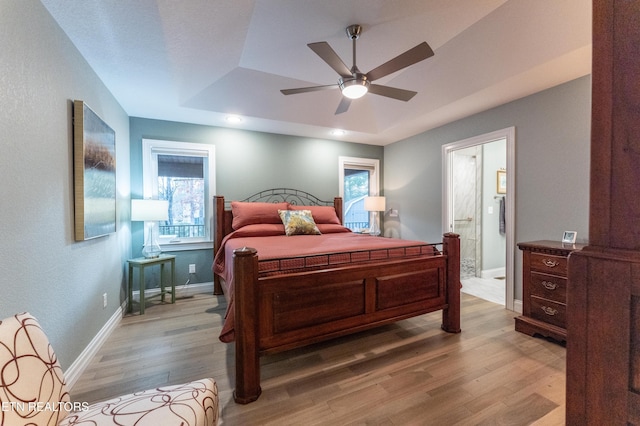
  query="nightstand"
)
[
  {"x": 141, "y": 263},
  {"x": 544, "y": 288}
]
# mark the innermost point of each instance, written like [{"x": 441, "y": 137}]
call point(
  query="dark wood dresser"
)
[{"x": 544, "y": 288}]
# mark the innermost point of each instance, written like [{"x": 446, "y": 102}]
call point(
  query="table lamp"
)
[
  {"x": 375, "y": 205},
  {"x": 150, "y": 211}
]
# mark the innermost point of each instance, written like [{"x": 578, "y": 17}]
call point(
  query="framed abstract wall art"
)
[{"x": 94, "y": 174}]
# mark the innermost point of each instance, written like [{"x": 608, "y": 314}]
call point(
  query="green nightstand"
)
[{"x": 141, "y": 263}]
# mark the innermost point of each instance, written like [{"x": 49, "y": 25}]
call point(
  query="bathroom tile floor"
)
[{"x": 491, "y": 289}]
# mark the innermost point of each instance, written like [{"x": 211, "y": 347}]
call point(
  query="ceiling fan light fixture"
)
[
  {"x": 354, "y": 88},
  {"x": 352, "y": 83}
]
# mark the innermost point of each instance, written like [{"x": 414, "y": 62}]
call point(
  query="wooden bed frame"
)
[{"x": 345, "y": 299}]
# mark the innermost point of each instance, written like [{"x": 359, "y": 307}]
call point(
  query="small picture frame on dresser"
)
[{"x": 569, "y": 237}]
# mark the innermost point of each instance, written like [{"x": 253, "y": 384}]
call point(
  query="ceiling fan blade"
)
[
  {"x": 410, "y": 57},
  {"x": 391, "y": 92},
  {"x": 343, "y": 106},
  {"x": 328, "y": 55},
  {"x": 307, "y": 89}
]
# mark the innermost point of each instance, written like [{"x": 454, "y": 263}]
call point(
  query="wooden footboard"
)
[{"x": 272, "y": 313}]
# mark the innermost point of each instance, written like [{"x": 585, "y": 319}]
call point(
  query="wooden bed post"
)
[
  {"x": 218, "y": 235},
  {"x": 337, "y": 204},
  {"x": 451, "y": 314},
  {"x": 245, "y": 265}
]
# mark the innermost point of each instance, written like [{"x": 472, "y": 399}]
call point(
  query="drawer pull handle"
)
[
  {"x": 550, "y": 263},
  {"x": 549, "y": 311},
  {"x": 549, "y": 285}
]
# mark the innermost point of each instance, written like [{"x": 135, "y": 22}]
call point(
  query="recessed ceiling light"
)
[
  {"x": 338, "y": 132},
  {"x": 233, "y": 119}
]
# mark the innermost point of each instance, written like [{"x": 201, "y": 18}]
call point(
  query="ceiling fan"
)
[{"x": 353, "y": 83}]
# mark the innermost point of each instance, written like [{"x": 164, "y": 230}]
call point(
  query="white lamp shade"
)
[
  {"x": 374, "y": 204},
  {"x": 151, "y": 210}
]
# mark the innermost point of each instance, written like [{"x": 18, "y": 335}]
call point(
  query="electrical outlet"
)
[
  {"x": 104, "y": 300},
  {"x": 192, "y": 268}
]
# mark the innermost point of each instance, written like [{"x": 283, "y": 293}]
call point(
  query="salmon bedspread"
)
[{"x": 281, "y": 254}]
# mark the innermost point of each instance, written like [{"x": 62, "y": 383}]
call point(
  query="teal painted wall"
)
[
  {"x": 246, "y": 162},
  {"x": 552, "y": 167},
  {"x": 43, "y": 269}
]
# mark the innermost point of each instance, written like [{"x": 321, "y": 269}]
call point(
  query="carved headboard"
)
[{"x": 222, "y": 217}]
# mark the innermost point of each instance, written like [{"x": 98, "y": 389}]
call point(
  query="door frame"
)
[{"x": 509, "y": 134}]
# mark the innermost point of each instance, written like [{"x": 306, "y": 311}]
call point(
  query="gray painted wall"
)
[
  {"x": 44, "y": 271},
  {"x": 246, "y": 162},
  {"x": 552, "y": 167}
]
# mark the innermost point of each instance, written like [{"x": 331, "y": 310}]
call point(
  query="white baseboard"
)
[
  {"x": 517, "y": 306},
  {"x": 492, "y": 273},
  {"x": 185, "y": 290},
  {"x": 81, "y": 363}
]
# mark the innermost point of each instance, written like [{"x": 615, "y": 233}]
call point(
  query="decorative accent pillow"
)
[
  {"x": 298, "y": 222},
  {"x": 255, "y": 213},
  {"x": 321, "y": 214}
]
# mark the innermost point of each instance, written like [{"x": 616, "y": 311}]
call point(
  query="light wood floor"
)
[
  {"x": 490, "y": 289},
  {"x": 409, "y": 373}
]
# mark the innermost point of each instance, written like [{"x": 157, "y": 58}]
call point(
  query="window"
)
[
  {"x": 184, "y": 175},
  {"x": 358, "y": 179}
]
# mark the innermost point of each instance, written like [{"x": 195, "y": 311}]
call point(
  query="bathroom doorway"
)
[{"x": 478, "y": 207}]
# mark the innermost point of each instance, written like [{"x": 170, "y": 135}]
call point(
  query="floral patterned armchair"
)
[{"x": 33, "y": 389}]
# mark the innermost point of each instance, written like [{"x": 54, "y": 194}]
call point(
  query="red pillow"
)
[
  {"x": 255, "y": 213},
  {"x": 321, "y": 214},
  {"x": 331, "y": 228},
  {"x": 261, "y": 230}
]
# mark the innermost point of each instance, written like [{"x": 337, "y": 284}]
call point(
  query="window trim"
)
[
  {"x": 371, "y": 164},
  {"x": 151, "y": 147}
]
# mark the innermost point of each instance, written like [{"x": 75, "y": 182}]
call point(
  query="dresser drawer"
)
[
  {"x": 549, "y": 311},
  {"x": 549, "y": 287},
  {"x": 549, "y": 264}
]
